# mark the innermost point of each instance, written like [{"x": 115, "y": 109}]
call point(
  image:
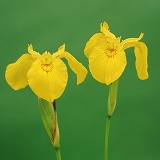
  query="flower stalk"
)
[
  {"x": 112, "y": 98},
  {"x": 58, "y": 154},
  {"x": 107, "y": 137}
]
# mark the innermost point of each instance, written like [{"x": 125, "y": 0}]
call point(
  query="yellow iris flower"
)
[
  {"x": 107, "y": 58},
  {"x": 46, "y": 74}
]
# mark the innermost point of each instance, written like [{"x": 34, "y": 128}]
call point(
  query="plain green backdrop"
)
[{"x": 82, "y": 109}]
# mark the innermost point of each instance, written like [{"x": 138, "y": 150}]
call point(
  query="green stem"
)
[
  {"x": 107, "y": 137},
  {"x": 58, "y": 154}
]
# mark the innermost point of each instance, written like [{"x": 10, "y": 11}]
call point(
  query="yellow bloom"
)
[
  {"x": 46, "y": 74},
  {"x": 107, "y": 58}
]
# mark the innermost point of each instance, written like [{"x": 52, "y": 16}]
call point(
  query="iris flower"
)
[
  {"x": 46, "y": 74},
  {"x": 107, "y": 58}
]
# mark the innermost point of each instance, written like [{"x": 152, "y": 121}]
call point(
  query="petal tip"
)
[
  {"x": 81, "y": 78},
  {"x": 144, "y": 77},
  {"x": 141, "y": 35},
  {"x": 30, "y": 48},
  {"x": 62, "y": 47}
]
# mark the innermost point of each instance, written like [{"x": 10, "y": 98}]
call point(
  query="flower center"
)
[
  {"x": 47, "y": 64},
  {"x": 47, "y": 67},
  {"x": 111, "y": 52}
]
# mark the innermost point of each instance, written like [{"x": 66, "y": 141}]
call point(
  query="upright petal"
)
[
  {"x": 106, "y": 69},
  {"x": 48, "y": 85},
  {"x": 32, "y": 52},
  {"x": 59, "y": 53},
  {"x": 104, "y": 28},
  {"x": 61, "y": 49},
  {"x": 16, "y": 73},
  {"x": 76, "y": 67},
  {"x": 93, "y": 41}
]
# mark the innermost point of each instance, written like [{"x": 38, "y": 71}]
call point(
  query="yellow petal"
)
[
  {"x": 59, "y": 53},
  {"x": 61, "y": 49},
  {"x": 16, "y": 73},
  {"x": 141, "y": 53},
  {"x": 32, "y": 52},
  {"x": 93, "y": 41},
  {"x": 106, "y": 69},
  {"x": 127, "y": 43},
  {"x": 48, "y": 85},
  {"x": 76, "y": 67},
  {"x": 104, "y": 28}
]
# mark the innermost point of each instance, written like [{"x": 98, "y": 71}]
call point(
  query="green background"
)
[{"x": 47, "y": 24}]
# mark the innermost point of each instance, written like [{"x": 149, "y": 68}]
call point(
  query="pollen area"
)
[
  {"x": 111, "y": 52},
  {"x": 47, "y": 62}
]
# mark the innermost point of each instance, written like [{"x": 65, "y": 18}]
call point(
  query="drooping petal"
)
[
  {"x": 127, "y": 43},
  {"x": 48, "y": 85},
  {"x": 93, "y": 41},
  {"x": 16, "y": 73},
  {"x": 76, "y": 67},
  {"x": 104, "y": 28},
  {"x": 32, "y": 52},
  {"x": 141, "y": 53},
  {"x": 106, "y": 69}
]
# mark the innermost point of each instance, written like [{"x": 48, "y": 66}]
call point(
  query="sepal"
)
[
  {"x": 112, "y": 98},
  {"x": 49, "y": 118}
]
